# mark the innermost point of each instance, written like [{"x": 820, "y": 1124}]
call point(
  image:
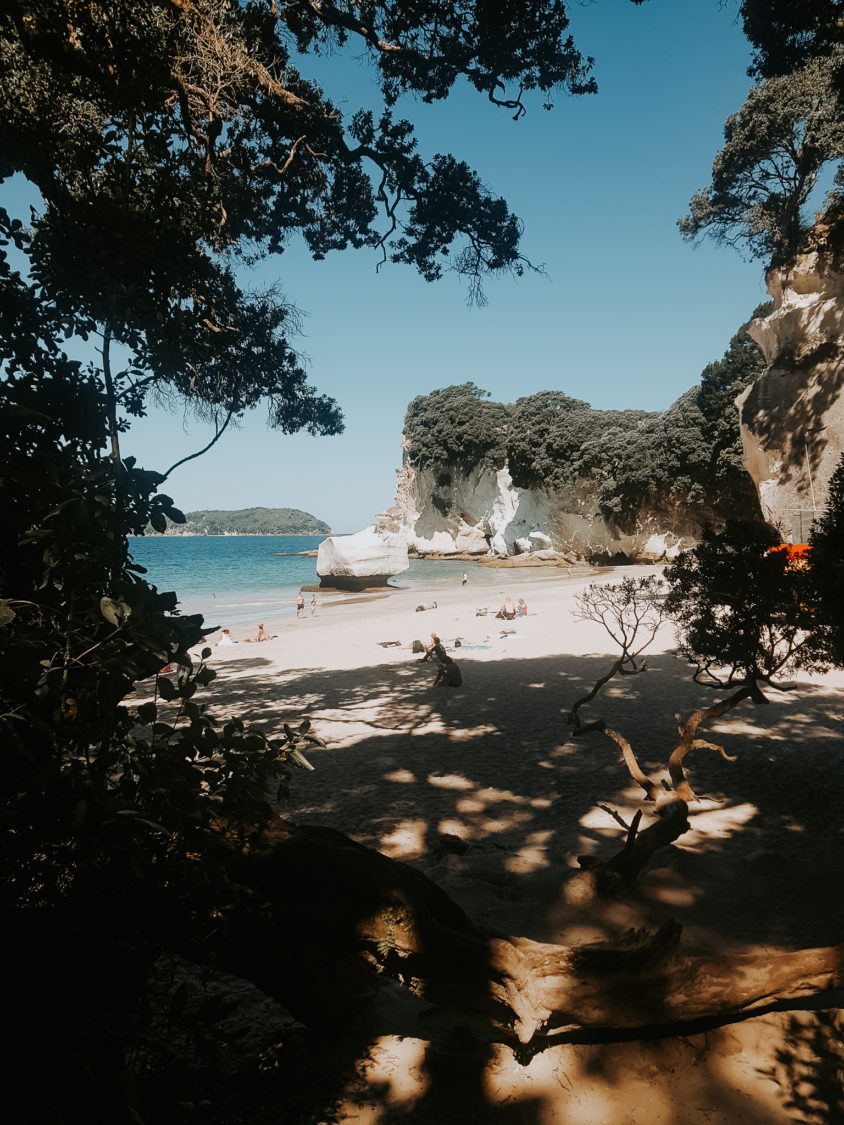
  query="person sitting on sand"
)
[
  {"x": 508, "y": 610},
  {"x": 522, "y": 607},
  {"x": 447, "y": 670},
  {"x": 262, "y": 635},
  {"x": 426, "y": 605},
  {"x": 226, "y": 639}
]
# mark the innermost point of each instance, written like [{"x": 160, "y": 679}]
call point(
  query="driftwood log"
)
[{"x": 332, "y": 916}]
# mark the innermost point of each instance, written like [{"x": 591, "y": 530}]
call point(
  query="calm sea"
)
[{"x": 240, "y": 579}]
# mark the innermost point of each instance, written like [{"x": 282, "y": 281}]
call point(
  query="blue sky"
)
[{"x": 627, "y": 316}]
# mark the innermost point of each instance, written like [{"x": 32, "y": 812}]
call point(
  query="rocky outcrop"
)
[
  {"x": 355, "y": 562},
  {"x": 483, "y": 513},
  {"x": 792, "y": 417}
]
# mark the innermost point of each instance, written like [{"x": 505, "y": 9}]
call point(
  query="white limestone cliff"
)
[
  {"x": 481, "y": 512},
  {"x": 792, "y": 417}
]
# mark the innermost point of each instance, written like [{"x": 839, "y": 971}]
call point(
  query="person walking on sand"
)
[
  {"x": 313, "y": 605},
  {"x": 300, "y": 604},
  {"x": 464, "y": 578}
]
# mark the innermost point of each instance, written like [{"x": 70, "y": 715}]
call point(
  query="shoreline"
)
[{"x": 404, "y": 599}]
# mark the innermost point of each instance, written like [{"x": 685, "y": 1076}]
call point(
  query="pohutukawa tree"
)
[{"x": 746, "y": 620}]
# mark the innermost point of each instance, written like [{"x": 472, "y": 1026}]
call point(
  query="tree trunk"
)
[{"x": 341, "y": 914}]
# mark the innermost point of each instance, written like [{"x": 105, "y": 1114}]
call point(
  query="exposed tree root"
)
[{"x": 331, "y": 915}]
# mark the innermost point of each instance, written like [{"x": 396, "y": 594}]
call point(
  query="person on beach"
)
[
  {"x": 447, "y": 670},
  {"x": 313, "y": 605},
  {"x": 300, "y": 604},
  {"x": 426, "y": 605},
  {"x": 226, "y": 639},
  {"x": 464, "y": 578},
  {"x": 508, "y": 610},
  {"x": 262, "y": 635},
  {"x": 522, "y": 608}
]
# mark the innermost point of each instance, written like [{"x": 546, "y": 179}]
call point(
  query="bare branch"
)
[{"x": 191, "y": 457}]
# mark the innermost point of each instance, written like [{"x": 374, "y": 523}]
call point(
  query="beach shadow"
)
[{"x": 482, "y": 788}]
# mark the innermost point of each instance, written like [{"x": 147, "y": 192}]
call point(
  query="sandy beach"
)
[{"x": 407, "y": 766}]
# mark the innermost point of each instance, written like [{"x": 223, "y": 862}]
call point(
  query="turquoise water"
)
[{"x": 238, "y": 579}]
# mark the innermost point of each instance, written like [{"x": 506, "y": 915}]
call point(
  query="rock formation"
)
[
  {"x": 792, "y": 417},
  {"x": 482, "y": 512},
  {"x": 354, "y": 562}
]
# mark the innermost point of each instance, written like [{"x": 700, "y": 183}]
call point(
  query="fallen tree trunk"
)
[{"x": 331, "y": 916}]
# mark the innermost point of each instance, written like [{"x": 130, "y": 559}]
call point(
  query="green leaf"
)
[
  {"x": 166, "y": 688},
  {"x": 114, "y": 610},
  {"x": 147, "y": 712}
]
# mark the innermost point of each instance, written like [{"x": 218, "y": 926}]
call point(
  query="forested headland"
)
[
  {"x": 687, "y": 456},
  {"x": 247, "y": 521}
]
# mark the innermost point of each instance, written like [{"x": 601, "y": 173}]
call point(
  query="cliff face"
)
[
  {"x": 482, "y": 512},
  {"x": 792, "y": 417}
]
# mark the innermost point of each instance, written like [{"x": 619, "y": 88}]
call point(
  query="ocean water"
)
[{"x": 240, "y": 579}]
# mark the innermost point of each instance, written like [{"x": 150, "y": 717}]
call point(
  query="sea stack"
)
[{"x": 355, "y": 562}]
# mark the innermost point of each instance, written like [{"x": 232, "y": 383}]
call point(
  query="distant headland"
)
[{"x": 247, "y": 521}]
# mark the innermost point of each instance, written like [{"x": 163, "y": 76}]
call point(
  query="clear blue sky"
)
[{"x": 627, "y": 316}]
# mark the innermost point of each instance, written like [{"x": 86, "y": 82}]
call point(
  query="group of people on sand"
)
[
  {"x": 226, "y": 637},
  {"x": 509, "y": 611},
  {"x": 300, "y": 604}
]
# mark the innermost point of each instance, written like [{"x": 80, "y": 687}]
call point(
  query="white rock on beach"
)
[{"x": 368, "y": 558}]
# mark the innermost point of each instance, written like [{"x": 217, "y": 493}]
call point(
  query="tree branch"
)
[{"x": 191, "y": 457}]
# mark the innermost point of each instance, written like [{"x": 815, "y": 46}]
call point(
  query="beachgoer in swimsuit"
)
[
  {"x": 300, "y": 604},
  {"x": 522, "y": 608},
  {"x": 313, "y": 605},
  {"x": 226, "y": 638},
  {"x": 508, "y": 610}
]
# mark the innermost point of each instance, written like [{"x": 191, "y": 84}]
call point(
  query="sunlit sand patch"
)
[
  {"x": 463, "y": 734},
  {"x": 501, "y": 824},
  {"x": 406, "y": 841},
  {"x": 449, "y": 781},
  {"x": 401, "y": 776},
  {"x": 599, "y": 820},
  {"x": 455, "y": 828},
  {"x": 394, "y": 1072},
  {"x": 532, "y": 856},
  {"x": 467, "y": 805},
  {"x": 717, "y": 822}
]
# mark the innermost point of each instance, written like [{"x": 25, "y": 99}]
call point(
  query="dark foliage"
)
[
  {"x": 785, "y": 34},
  {"x": 790, "y": 129},
  {"x": 827, "y": 540},
  {"x": 456, "y": 427},
  {"x": 171, "y": 144},
  {"x": 743, "y": 612}
]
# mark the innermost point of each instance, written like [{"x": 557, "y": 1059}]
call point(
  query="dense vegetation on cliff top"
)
[
  {"x": 690, "y": 454},
  {"x": 251, "y": 521}
]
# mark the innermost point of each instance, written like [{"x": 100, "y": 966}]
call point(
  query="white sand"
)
[{"x": 492, "y": 762}]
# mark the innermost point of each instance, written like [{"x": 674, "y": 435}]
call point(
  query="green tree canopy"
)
[
  {"x": 785, "y": 34},
  {"x": 688, "y": 455},
  {"x": 788, "y": 131}
]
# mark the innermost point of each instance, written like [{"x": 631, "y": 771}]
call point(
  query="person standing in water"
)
[{"x": 300, "y": 604}]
